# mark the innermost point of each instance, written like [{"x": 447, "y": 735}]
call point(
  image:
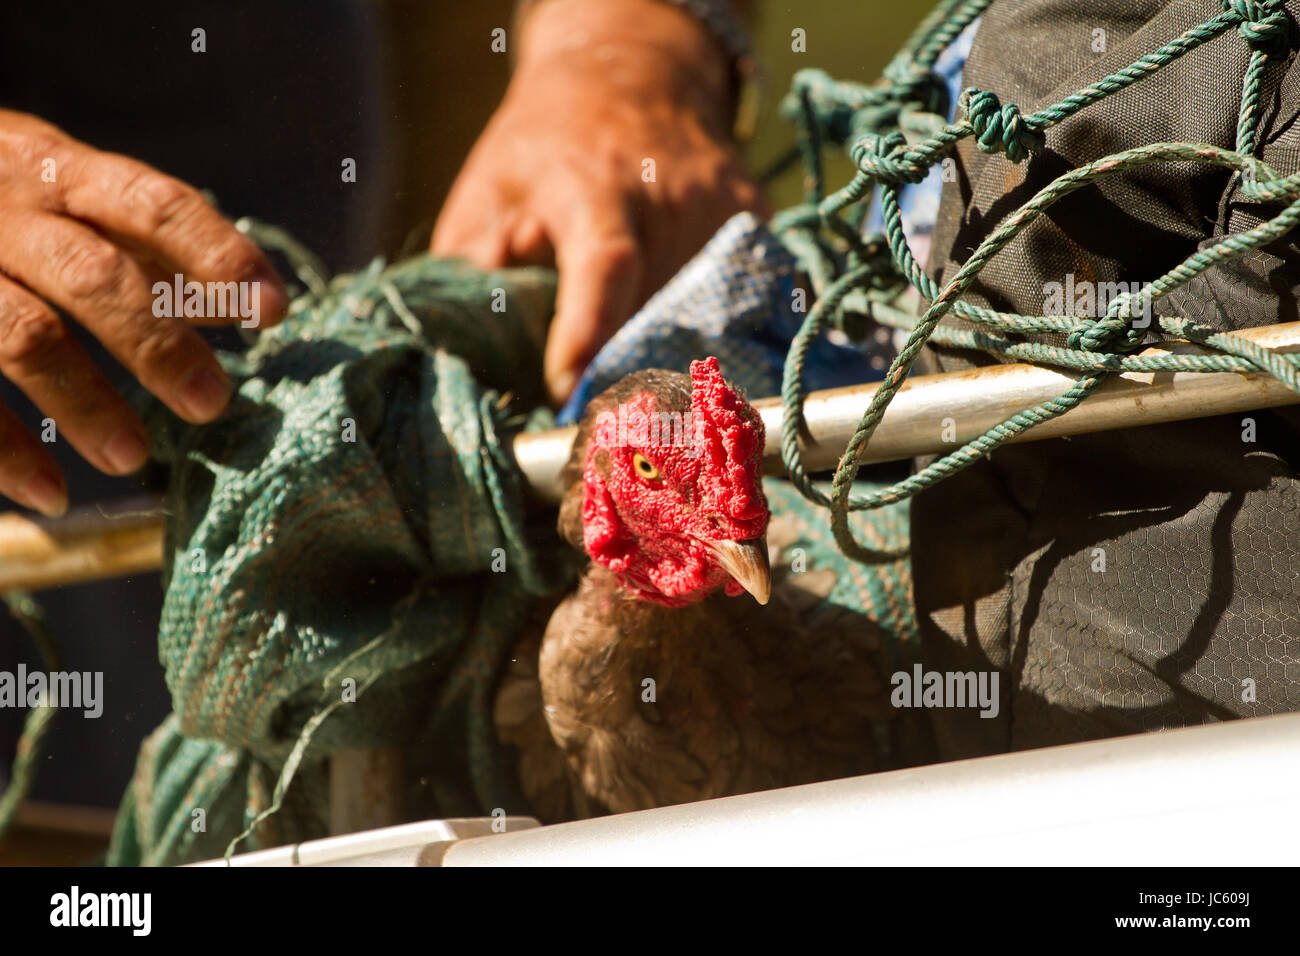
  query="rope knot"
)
[
  {"x": 1112, "y": 332},
  {"x": 912, "y": 83},
  {"x": 1265, "y": 26},
  {"x": 884, "y": 159},
  {"x": 998, "y": 128}
]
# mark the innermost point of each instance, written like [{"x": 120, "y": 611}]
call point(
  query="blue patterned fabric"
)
[{"x": 736, "y": 300}]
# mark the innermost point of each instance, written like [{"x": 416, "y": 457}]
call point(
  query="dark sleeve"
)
[{"x": 1200, "y": 588}]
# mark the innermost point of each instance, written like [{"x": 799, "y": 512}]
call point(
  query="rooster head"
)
[{"x": 671, "y": 495}]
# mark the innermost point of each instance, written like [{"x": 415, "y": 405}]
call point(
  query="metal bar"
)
[
  {"x": 1218, "y": 795},
  {"x": 88, "y": 544},
  {"x": 975, "y": 401},
  {"x": 37, "y": 553},
  {"x": 411, "y": 844}
]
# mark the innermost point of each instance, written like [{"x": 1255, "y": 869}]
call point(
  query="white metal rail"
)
[{"x": 1223, "y": 794}]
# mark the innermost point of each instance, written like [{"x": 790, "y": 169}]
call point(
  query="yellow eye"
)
[{"x": 644, "y": 467}]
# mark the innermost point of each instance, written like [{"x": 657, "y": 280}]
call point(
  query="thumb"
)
[{"x": 600, "y": 274}]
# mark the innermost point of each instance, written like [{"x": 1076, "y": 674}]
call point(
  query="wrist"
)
[{"x": 640, "y": 43}]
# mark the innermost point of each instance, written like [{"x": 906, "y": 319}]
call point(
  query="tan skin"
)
[
  {"x": 93, "y": 242},
  {"x": 556, "y": 178}
]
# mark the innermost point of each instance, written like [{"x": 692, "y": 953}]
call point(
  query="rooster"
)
[{"x": 657, "y": 681}]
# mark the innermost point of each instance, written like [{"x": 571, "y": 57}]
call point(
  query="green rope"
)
[
  {"x": 868, "y": 120},
  {"x": 23, "y": 773}
]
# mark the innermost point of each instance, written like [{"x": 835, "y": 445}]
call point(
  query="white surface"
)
[
  {"x": 1216, "y": 795},
  {"x": 390, "y": 846}
]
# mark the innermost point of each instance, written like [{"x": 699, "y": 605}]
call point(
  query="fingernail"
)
[
  {"x": 125, "y": 451},
  {"x": 563, "y": 384},
  {"x": 203, "y": 395},
  {"x": 45, "y": 495},
  {"x": 272, "y": 299}
]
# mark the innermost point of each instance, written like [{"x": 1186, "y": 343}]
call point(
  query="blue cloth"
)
[{"x": 736, "y": 300}]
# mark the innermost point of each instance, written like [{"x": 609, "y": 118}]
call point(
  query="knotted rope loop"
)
[
  {"x": 1265, "y": 25},
  {"x": 913, "y": 83},
  {"x": 998, "y": 128},
  {"x": 1111, "y": 333},
  {"x": 884, "y": 158},
  {"x": 1262, "y": 183}
]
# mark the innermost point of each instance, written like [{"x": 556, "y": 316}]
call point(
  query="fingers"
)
[
  {"x": 600, "y": 267},
  {"x": 746, "y": 195},
  {"x": 512, "y": 237},
  {"x": 170, "y": 219},
  {"x": 28, "y": 473},
  {"x": 592, "y": 240},
  {"x": 489, "y": 249},
  {"x": 529, "y": 243},
  {"x": 92, "y": 240},
  {"x": 38, "y": 355},
  {"x": 107, "y": 291},
  {"x": 474, "y": 229}
]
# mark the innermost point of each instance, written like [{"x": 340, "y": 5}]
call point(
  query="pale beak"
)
[{"x": 746, "y": 561}]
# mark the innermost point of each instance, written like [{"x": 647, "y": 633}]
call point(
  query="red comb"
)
[{"x": 728, "y": 437}]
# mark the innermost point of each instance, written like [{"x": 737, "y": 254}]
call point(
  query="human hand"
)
[
  {"x": 91, "y": 232},
  {"x": 610, "y": 157}
]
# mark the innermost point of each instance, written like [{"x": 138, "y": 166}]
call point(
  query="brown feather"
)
[{"x": 745, "y": 697}]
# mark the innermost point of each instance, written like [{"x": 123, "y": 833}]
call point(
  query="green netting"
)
[
  {"x": 348, "y": 556},
  {"x": 895, "y": 131}
]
